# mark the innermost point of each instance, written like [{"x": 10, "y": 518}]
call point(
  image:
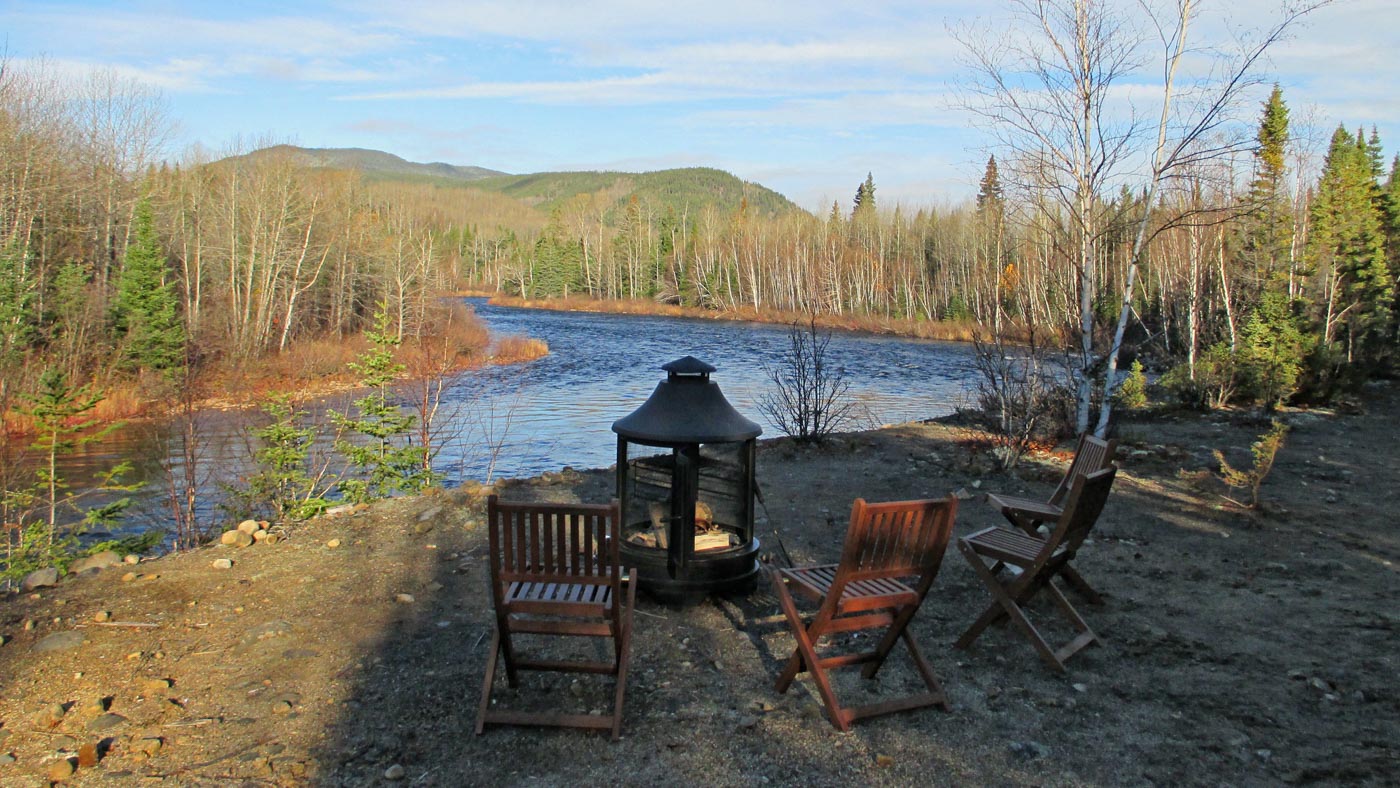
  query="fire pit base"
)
[{"x": 730, "y": 571}]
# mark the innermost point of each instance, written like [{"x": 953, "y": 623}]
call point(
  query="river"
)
[{"x": 557, "y": 411}]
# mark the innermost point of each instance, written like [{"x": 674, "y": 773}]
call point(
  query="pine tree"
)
[
  {"x": 989, "y": 193},
  {"x": 1268, "y": 233},
  {"x": 145, "y": 311},
  {"x": 865, "y": 197}
]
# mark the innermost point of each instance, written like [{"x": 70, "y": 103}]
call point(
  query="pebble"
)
[
  {"x": 282, "y": 707},
  {"x": 132, "y": 559},
  {"x": 884, "y": 761},
  {"x": 222, "y": 563},
  {"x": 29, "y": 625},
  {"x": 1319, "y": 684},
  {"x": 1030, "y": 749},
  {"x": 150, "y": 745},
  {"x": 128, "y": 577},
  {"x": 87, "y": 755},
  {"x": 1080, "y": 687},
  {"x": 395, "y": 772},
  {"x": 332, "y": 544},
  {"x": 59, "y": 641},
  {"x": 157, "y": 685},
  {"x": 7, "y": 758},
  {"x": 61, "y": 769},
  {"x": 429, "y": 514},
  {"x": 51, "y": 716},
  {"x": 106, "y": 722},
  {"x": 404, "y": 599},
  {"x": 102, "y": 615}
]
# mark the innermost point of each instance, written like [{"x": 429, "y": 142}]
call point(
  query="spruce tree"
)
[
  {"x": 989, "y": 193},
  {"x": 1268, "y": 233},
  {"x": 145, "y": 311},
  {"x": 1347, "y": 247}
]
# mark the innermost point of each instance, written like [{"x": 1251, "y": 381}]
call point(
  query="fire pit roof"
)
[{"x": 686, "y": 408}]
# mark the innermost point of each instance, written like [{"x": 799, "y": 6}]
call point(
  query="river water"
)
[{"x": 556, "y": 411}]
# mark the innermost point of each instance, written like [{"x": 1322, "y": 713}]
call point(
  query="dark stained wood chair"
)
[
  {"x": 890, "y": 558},
  {"x": 555, "y": 571},
  {"x": 1092, "y": 454},
  {"x": 1039, "y": 560}
]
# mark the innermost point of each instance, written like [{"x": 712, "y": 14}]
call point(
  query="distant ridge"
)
[
  {"x": 375, "y": 163},
  {"x": 679, "y": 190}
]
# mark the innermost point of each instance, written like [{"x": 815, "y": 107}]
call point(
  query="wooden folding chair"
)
[
  {"x": 555, "y": 571},
  {"x": 1040, "y": 560},
  {"x": 886, "y": 544},
  {"x": 1092, "y": 454}
]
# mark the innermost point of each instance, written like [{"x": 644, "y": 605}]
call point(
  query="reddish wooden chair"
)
[
  {"x": 1092, "y": 454},
  {"x": 887, "y": 544},
  {"x": 1040, "y": 560},
  {"x": 555, "y": 571}
]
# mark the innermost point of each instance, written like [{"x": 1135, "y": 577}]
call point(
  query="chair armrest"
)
[{"x": 1036, "y": 510}]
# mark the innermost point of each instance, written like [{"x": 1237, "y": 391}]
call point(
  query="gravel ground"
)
[{"x": 1238, "y": 647}]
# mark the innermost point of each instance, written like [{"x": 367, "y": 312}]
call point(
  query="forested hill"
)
[
  {"x": 376, "y": 164},
  {"x": 682, "y": 191}
]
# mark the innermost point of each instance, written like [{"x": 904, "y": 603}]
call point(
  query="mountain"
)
[
  {"x": 684, "y": 190},
  {"x": 376, "y": 164}
]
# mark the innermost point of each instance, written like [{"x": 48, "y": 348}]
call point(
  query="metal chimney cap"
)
[
  {"x": 685, "y": 408},
  {"x": 690, "y": 365}
]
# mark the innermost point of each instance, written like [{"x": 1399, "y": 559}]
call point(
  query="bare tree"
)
[{"x": 810, "y": 399}]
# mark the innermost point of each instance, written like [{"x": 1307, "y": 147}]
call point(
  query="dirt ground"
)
[{"x": 1238, "y": 648}]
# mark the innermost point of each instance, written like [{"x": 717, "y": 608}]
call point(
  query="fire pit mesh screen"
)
[{"x": 719, "y": 509}]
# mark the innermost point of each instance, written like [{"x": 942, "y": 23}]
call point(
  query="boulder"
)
[
  {"x": 249, "y": 526},
  {"x": 93, "y": 563},
  {"x": 237, "y": 538},
  {"x": 39, "y": 579}
]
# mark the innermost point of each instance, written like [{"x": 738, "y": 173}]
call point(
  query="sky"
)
[{"x": 803, "y": 96}]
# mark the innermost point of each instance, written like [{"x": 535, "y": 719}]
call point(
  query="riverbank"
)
[
  {"x": 946, "y": 330},
  {"x": 1238, "y": 647}
]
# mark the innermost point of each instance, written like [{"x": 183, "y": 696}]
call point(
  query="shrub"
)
[
  {"x": 1264, "y": 451},
  {"x": 1132, "y": 392},
  {"x": 1023, "y": 394},
  {"x": 809, "y": 400}
]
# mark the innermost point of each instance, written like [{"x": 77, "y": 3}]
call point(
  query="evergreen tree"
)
[
  {"x": 989, "y": 193},
  {"x": 1268, "y": 232},
  {"x": 1347, "y": 247},
  {"x": 145, "y": 310},
  {"x": 865, "y": 197},
  {"x": 386, "y": 455}
]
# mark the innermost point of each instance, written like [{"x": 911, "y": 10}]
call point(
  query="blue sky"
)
[{"x": 804, "y": 97}]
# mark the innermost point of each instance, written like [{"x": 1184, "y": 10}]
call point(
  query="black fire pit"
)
[{"x": 688, "y": 515}]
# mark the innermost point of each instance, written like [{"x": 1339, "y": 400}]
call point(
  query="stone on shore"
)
[
  {"x": 39, "y": 578},
  {"x": 93, "y": 563},
  {"x": 59, "y": 641},
  {"x": 237, "y": 538}
]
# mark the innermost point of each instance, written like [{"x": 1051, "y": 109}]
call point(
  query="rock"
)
[
  {"x": 259, "y": 535},
  {"x": 156, "y": 685},
  {"x": 39, "y": 578},
  {"x": 59, "y": 641},
  {"x": 102, "y": 616},
  {"x": 132, "y": 559},
  {"x": 336, "y": 511},
  {"x": 332, "y": 544},
  {"x": 422, "y": 528},
  {"x": 1080, "y": 687},
  {"x": 271, "y": 629},
  {"x": 1319, "y": 684},
  {"x": 248, "y": 527},
  {"x": 270, "y": 539},
  {"x": 7, "y": 758},
  {"x": 395, "y": 772},
  {"x": 222, "y": 563},
  {"x": 62, "y": 769},
  {"x": 87, "y": 755},
  {"x": 429, "y": 514},
  {"x": 106, "y": 722},
  {"x": 95, "y": 708},
  {"x": 282, "y": 707},
  {"x": 51, "y": 716},
  {"x": 404, "y": 599},
  {"x": 236, "y": 538},
  {"x": 1030, "y": 749},
  {"x": 149, "y": 746},
  {"x": 96, "y": 562},
  {"x": 128, "y": 577},
  {"x": 884, "y": 761}
]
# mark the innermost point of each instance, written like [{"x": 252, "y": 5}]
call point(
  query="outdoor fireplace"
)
[{"x": 688, "y": 515}]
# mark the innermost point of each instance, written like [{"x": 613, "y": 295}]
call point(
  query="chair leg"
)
[
  {"x": 624, "y": 657},
  {"x": 1081, "y": 586},
  {"x": 1003, "y": 604},
  {"x": 807, "y": 652},
  {"x": 994, "y": 612},
  {"x": 486, "y": 685},
  {"x": 882, "y": 651},
  {"x": 925, "y": 670}
]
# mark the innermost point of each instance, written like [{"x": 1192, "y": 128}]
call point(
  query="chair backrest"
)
[
  {"x": 1091, "y": 454},
  {"x": 553, "y": 543},
  {"x": 896, "y": 539},
  {"x": 1082, "y": 508}
]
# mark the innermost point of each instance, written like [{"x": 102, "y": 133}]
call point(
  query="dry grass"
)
[
  {"x": 945, "y": 330},
  {"x": 513, "y": 349}
]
